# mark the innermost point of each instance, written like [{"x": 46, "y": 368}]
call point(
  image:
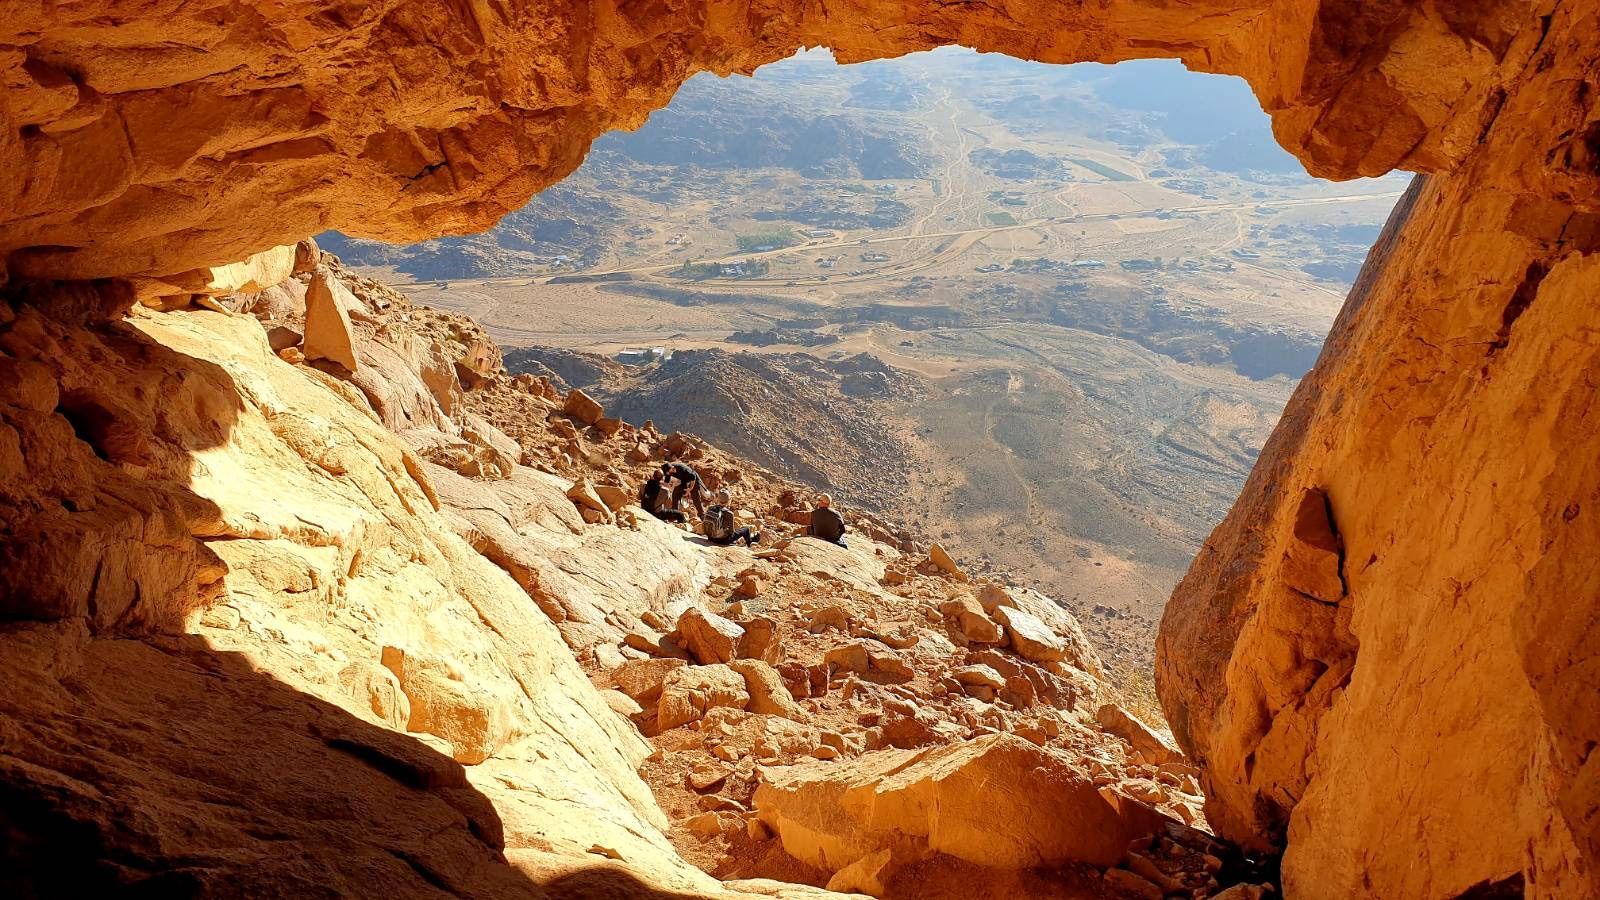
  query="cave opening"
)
[
  {"x": 374, "y": 617},
  {"x": 1045, "y": 314}
]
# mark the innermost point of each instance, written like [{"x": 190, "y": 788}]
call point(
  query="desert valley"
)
[{"x": 1046, "y": 315}]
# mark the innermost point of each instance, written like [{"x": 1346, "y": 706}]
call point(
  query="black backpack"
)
[{"x": 719, "y": 523}]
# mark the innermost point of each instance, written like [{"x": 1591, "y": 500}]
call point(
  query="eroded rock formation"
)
[
  {"x": 1400, "y": 610},
  {"x": 149, "y": 142},
  {"x": 1429, "y": 729},
  {"x": 283, "y": 623}
]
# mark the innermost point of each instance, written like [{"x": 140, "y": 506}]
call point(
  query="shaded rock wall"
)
[
  {"x": 145, "y": 142},
  {"x": 230, "y": 591}
]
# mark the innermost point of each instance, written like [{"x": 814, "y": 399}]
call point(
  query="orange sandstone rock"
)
[{"x": 997, "y": 801}]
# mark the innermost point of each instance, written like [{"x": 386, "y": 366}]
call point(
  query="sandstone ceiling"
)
[
  {"x": 1384, "y": 657},
  {"x": 154, "y": 136}
]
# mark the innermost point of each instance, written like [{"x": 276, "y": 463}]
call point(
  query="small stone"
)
[
  {"x": 719, "y": 803},
  {"x": 900, "y": 707},
  {"x": 705, "y": 777},
  {"x": 706, "y": 824},
  {"x": 1145, "y": 868},
  {"x": 971, "y": 676},
  {"x": 830, "y": 618}
]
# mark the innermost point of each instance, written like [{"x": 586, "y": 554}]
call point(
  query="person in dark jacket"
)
[
  {"x": 826, "y": 523},
  {"x": 719, "y": 524},
  {"x": 688, "y": 482},
  {"x": 653, "y": 496}
]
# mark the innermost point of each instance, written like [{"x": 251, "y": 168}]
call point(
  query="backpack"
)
[{"x": 719, "y": 523}]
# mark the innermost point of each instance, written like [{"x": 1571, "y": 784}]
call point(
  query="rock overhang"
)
[{"x": 128, "y": 155}]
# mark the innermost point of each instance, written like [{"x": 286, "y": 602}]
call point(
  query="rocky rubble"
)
[{"x": 394, "y": 530}]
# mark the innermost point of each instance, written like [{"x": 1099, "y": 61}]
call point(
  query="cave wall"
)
[
  {"x": 1384, "y": 657},
  {"x": 152, "y": 137}
]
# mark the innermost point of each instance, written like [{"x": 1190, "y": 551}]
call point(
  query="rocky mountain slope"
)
[
  {"x": 405, "y": 631},
  {"x": 824, "y": 423}
]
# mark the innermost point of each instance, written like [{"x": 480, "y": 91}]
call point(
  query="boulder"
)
[
  {"x": 768, "y": 696},
  {"x": 253, "y": 275},
  {"x": 851, "y": 657},
  {"x": 641, "y": 679},
  {"x": 1156, "y": 749},
  {"x": 688, "y": 692},
  {"x": 581, "y": 407},
  {"x": 307, "y": 256},
  {"x": 281, "y": 304},
  {"x": 760, "y": 641},
  {"x": 474, "y": 718},
  {"x": 1312, "y": 557},
  {"x": 710, "y": 637},
  {"x": 613, "y": 497},
  {"x": 992, "y": 595},
  {"x": 996, "y": 801},
  {"x": 886, "y": 663},
  {"x": 281, "y": 337},
  {"x": 583, "y": 495},
  {"x": 621, "y": 703},
  {"x": 1031, "y": 638},
  {"x": 328, "y": 332},
  {"x": 481, "y": 433},
  {"x": 942, "y": 561},
  {"x": 966, "y": 614}
]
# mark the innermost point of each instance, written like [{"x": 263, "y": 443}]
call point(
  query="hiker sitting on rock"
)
[
  {"x": 826, "y": 523},
  {"x": 653, "y": 497},
  {"x": 688, "y": 482},
  {"x": 718, "y": 524}
]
